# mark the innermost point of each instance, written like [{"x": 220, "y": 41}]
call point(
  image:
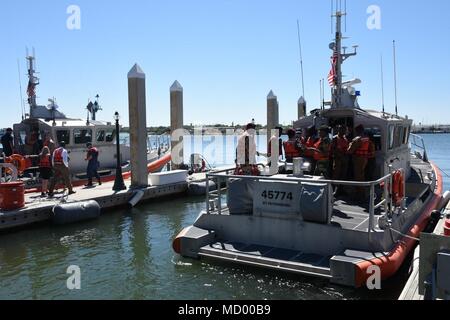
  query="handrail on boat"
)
[
  {"x": 214, "y": 198},
  {"x": 419, "y": 145}
]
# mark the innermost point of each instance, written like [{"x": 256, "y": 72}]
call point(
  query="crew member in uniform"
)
[
  {"x": 360, "y": 151},
  {"x": 8, "y": 142},
  {"x": 339, "y": 148},
  {"x": 61, "y": 169},
  {"x": 308, "y": 144},
  {"x": 291, "y": 147},
  {"x": 45, "y": 169},
  {"x": 322, "y": 153},
  {"x": 93, "y": 165},
  {"x": 246, "y": 152}
]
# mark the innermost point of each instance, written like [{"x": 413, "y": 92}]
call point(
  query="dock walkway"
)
[
  {"x": 39, "y": 209},
  {"x": 411, "y": 289}
]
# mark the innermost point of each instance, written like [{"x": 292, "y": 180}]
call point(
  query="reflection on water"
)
[{"x": 128, "y": 255}]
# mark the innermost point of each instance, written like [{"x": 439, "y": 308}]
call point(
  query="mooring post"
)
[
  {"x": 138, "y": 127},
  {"x": 301, "y": 107},
  {"x": 272, "y": 114},
  {"x": 176, "y": 125}
]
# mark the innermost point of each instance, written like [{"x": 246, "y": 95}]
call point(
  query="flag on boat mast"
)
[{"x": 332, "y": 73}]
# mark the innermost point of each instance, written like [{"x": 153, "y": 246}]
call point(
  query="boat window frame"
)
[
  {"x": 97, "y": 132},
  {"x": 68, "y": 140},
  {"x": 391, "y": 139},
  {"x": 85, "y": 140}
]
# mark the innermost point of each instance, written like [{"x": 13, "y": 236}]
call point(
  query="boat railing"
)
[
  {"x": 418, "y": 147},
  {"x": 214, "y": 198}
]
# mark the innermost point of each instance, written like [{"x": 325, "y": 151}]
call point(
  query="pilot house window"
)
[
  {"x": 82, "y": 136},
  {"x": 63, "y": 135}
]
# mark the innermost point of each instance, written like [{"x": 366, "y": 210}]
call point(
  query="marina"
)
[{"x": 343, "y": 200}]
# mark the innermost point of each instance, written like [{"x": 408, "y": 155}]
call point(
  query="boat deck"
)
[{"x": 272, "y": 258}]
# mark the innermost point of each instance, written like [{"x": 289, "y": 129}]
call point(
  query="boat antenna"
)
[
  {"x": 395, "y": 78},
  {"x": 301, "y": 58},
  {"x": 22, "y": 105},
  {"x": 382, "y": 84},
  {"x": 323, "y": 94}
]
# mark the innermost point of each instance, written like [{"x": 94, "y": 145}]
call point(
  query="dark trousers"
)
[{"x": 92, "y": 171}]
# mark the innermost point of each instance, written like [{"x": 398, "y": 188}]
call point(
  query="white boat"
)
[
  {"x": 41, "y": 121},
  {"x": 295, "y": 223}
]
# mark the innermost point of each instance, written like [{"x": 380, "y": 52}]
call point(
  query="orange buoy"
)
[
  {"x": 12, "y": 195},
  {"x": 447, "y": 226},
  {"x": 19, "y": 162}
]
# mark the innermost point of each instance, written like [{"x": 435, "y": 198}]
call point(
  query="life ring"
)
[
  {"x": 398, "y": 188},
  {"x": 19, "y": 162}
]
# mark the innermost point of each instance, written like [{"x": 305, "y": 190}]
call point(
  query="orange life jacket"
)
[
  {"x": 341, "y": 144},
  {"x": 57, "y": 156},
  {"x": 364, "y": 149},
  {"x": 310, "y": 144},
  {"x": 45, "y": 162},
  {"x": 290, "y": 149},
  {"x": 318, "y": 156}
]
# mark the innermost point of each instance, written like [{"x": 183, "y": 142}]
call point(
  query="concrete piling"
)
[
  {"x": 138, "y": 127},
  {"x": 272, "y": 114},
  {"x": 176, "y": 124},
  {"x": 301, "y": 107}
]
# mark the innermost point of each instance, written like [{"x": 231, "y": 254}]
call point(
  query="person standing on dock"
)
[
  {"x": 61, "y": 167},
  {"x": 48, "y": 142},
  {"x": 45, "y": 169},
  {"x": 8, "y": 142},
  {"x": 93, "y": 165}
]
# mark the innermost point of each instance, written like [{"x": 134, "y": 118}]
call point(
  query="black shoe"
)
[
  {"x": 50, "y": 195},
  {"x": 72, "y": 192},
  {"x": 99, "y": 183},
  {"x": 89, "y": 185}
]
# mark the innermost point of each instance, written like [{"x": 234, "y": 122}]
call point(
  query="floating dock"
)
[
  {"x": 39, "y": 209},
  {"x": 411, "y": 291}
]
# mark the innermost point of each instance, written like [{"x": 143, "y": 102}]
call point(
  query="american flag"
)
[
  {"x": 30, "y": 90},
  {"x": 332, "y": 74}
]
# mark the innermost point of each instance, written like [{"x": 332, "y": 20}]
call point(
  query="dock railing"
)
[{"x": 214, "y": 197}]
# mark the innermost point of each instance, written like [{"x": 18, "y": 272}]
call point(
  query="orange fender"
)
[{"x": 390, "y": 264}]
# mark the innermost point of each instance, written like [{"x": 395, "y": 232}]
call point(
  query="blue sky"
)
[{"x": 227, "y": 54}]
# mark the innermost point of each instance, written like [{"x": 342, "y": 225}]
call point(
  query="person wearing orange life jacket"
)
[
  {"x": 308, "y": 145},
  {"x": 322, "y": 153},
  {"x": 338, "y": 152},
  {"x": 291, "y": 148},
  {"x": 360, "y": 150},
  {"x": 371, "y": 161},
  {"x": 45, "y": 169},
  {"x": 61, "y": 169}
]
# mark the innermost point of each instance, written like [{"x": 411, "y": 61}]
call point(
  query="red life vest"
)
[
  {"x": 318, "y": 156},
  {"x": 364, "y": 149},
  {"x": 341, "y": 144},
  {"x": 310, "y": 144},
  {"x": 290, "y": 149},
  {"x": 57, "y": 156},
  {"x": 45, "y": 162}
]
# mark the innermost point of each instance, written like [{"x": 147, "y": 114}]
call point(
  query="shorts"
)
[{"x": 46, "y": 173}]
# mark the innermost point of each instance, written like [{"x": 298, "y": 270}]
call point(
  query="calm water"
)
[{"x": 128, "y": 255}]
